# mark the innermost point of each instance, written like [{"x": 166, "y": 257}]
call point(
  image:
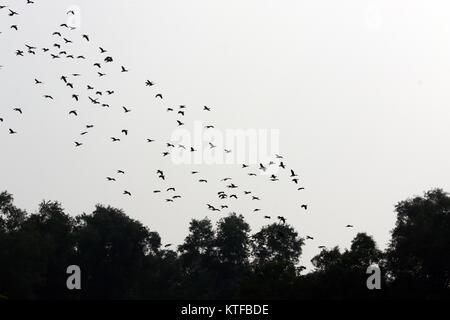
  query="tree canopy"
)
[{"x": 120, "y": 258}]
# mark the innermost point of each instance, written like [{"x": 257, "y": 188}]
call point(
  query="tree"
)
[
  {"x": 232, "y": 245},
  {"x": 199, "y": 258},
  {"x": 200, "y": 241},
  {"x": 277, "y": 242},
  {"x": 11, "y": 217},
  {"x": 111, "y": 249},
  {"x": 232, "y": 240},
  {"x": 418, "y": 257},
  {"x": 36, "y": 252},
  {"x": 343, "y": 275}
]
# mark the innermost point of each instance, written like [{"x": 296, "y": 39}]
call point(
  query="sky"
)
[{"x": 356, "y": 92}]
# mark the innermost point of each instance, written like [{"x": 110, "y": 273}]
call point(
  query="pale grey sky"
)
[{"x": 357, "y": 89}]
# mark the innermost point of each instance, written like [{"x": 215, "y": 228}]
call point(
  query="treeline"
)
[{"x": 122, "y": 259}]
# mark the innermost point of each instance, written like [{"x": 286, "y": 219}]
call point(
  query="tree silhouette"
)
[
  {"x": 277, "y": 242},
  {"x": 122, "y": 259},
  {"x": 111, "y": 250},
  {"x": 232, "y": 240},
  {"x": 418, "y": 257},
  {"x": 343, "y": 275}
]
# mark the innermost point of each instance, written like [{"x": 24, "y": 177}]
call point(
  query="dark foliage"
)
[{"x": 122, "y": 259}]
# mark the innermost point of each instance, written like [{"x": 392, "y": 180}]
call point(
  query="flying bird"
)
[{"x": 282, "y": 219}]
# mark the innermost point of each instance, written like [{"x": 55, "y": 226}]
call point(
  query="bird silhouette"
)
[{"x": 282, "y": 219}]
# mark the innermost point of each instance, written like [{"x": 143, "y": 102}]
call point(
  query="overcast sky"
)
[{"x": 358, "y": 91}]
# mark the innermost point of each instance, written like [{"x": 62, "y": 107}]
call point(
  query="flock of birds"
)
[{"x": 64, "y": 39}]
